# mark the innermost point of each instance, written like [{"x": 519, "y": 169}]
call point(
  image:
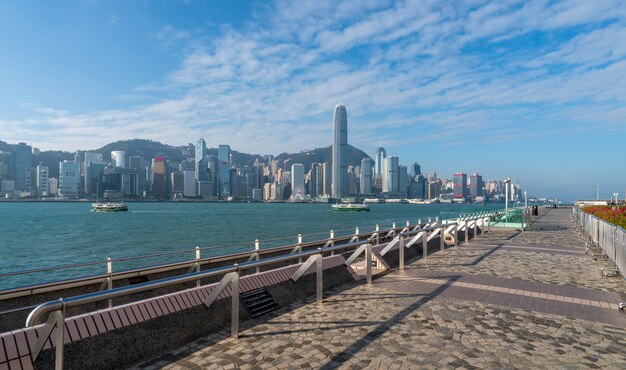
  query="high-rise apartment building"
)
[{"x": 339, "y": 152}]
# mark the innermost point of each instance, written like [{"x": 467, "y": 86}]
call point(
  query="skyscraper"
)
[
  {"x": 476, "y": 185},
  {"x": 381, "y": 154},
  {"x": 21, "y": 162},
  {"x": 41, "y": 180},
  {"x": 340, "y": 156},
  {"x": 118, "y": 157},
  {"x": 159, "y": 175},
  {"x": 460, "y": 185},
  {"x": 201, "y": 168},
  {"x": 366, "y": 181},
  {"x": 223, "y": 158},
  {"x": 416, "y": 169},
  {"x": 297, "y": 181},
  {"x": 327, "y": 179},
  {"x": 390, "y": 179},
  {"x": 69, "y": 179}
]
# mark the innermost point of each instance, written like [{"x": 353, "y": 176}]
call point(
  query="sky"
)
[{"x": 532, "y": 90}]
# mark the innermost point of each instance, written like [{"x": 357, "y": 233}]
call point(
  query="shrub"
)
[{"x": 614, "y": 215}]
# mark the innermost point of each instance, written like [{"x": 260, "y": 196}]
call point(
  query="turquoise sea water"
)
[{"x": 35, "y": 235}]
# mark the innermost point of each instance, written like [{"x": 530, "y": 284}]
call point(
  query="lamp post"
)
[
  {"x": 507, "y": 181},
  {"x": 525, "y": 200}
]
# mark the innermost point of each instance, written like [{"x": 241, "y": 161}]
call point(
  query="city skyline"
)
[{"x": 530, "y": 97}]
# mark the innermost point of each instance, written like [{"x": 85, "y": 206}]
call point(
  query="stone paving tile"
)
[
  {"x": 371, "y": 327},
  {"x": 575, "y": 270},
  {"x": 389, "y": 326}
]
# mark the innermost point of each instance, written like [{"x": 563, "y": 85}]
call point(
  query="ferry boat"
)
[
  {"x": 349, "y": 207},
  {"x": 109, "y": 207}
]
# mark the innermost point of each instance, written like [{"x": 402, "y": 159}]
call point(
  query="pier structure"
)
[{"x": 501, "y": 298}]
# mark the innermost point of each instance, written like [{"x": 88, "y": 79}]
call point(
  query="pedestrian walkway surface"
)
[{"x": 507, "y": 299}]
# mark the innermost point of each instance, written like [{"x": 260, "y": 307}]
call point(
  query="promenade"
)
[{"x": 507, "y": 299}]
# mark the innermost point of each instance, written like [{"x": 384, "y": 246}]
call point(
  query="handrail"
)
[
  {"x": 120, "y": 274},
  {"x": 71, "y": 302},
  {"x": 167, "y": 253}
]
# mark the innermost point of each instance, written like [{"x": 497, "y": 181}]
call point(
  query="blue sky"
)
[{"x": 533, "y": 90}]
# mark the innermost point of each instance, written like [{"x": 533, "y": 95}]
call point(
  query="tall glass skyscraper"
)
[
  {"x": 381, "y": 154},
  {"x": 201, "y": 173},
  {"x": 340, "y": 155},
  {"x": 223, "y": 157}
]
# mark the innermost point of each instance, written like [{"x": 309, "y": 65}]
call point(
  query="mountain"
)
[
  {"x": 149, "y": 149},
  {"x": 321, "y": 155}
]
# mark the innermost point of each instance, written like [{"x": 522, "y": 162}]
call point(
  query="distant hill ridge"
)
[{"x": 150, "y": 149}]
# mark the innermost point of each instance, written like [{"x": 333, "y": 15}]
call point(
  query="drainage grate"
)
[{"x": 258, "y": 302}]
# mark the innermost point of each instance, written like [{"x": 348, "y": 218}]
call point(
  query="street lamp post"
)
[{"x": 525, "y": 200}]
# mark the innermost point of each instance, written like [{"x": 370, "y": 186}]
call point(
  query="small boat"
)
[
  {"x": 349, "y": 207},
  {"x": 109, "y": 207}
]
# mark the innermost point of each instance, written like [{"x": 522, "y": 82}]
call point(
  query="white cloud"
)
[{"x": 406, "y": 70}]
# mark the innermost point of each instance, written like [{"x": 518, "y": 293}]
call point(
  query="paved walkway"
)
[{"x": 505, "y": 300}]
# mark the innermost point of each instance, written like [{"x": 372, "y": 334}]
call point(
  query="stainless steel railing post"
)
[
  {"x": 368, "y": 261},
  {"x": 110, "y": 278},
  {"x": 198, "y": 264},
  {"x": 332, "y": 241},
  {"x": 425, "y": 244},
  {"x": 300, "y": 247},
  {"x": 466, "y": 238},
  {"x": 257, "y": 248},
  {"x": 320, "y": 278},
  {"x": 401, "y": 247},
  {"x": 234, "y": 318},
  {"x": 442, "y": 242}
]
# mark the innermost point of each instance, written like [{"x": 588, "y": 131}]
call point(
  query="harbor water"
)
[{"x": 44, "y": 234}]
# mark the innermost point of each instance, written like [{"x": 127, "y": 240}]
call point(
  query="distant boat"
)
[
  {"x": 109, "y": 207},
  {"x": 349, "y": 207}
]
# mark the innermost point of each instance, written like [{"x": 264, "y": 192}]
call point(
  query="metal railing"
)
[
  {"x": 231, "y": 274},
  {"x": 109, "y": 275},
  {"x": 611, "y": 238}
]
